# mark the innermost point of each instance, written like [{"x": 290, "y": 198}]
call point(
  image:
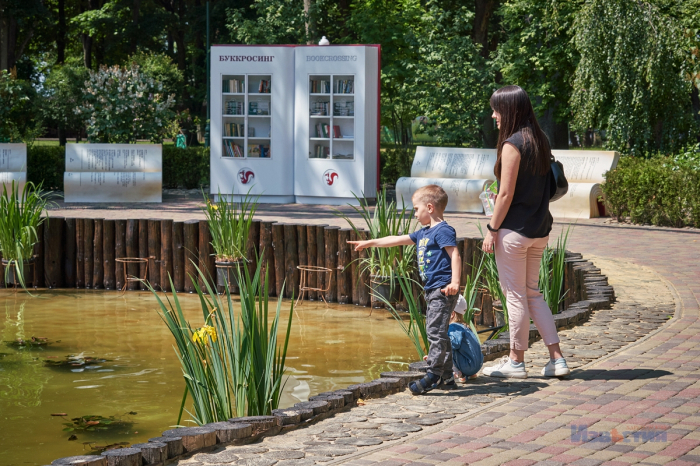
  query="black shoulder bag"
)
[{"x": 558, "y": 185}]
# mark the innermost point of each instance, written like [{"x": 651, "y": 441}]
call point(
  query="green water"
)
[{"x": 330, "y": 347}]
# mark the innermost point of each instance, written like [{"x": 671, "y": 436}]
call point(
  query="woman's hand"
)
[{"x": 489, "y": 241}]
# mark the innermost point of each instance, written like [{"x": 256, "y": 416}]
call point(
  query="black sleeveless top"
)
[{"x": 529, "y": 212}]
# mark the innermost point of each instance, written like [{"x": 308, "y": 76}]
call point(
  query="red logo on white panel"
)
[
  {"x": 329, "y": 176},
  {"x": 245, "y": 175}
]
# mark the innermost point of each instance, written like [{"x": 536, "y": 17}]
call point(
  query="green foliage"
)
[
  {"x": 160, "y": 68},
  {"x": 657, "y": 191},
  {"x": 62, "y": 93},
  {"x": 415, "y": 328},
  {"x": 17, "y": 122},
  {"x": 386, "y": 220},
  {"x": 20, "y": 215},
  {"x": 185, "y": 168},
  {"x": 630, "y": 79},
  {"x": 471, "y": 291},
  {"x": 453, "y": 83},
  {"x": 395, "y": 163},
  {"x": 45, "y": 166},
  {"x": 268, "y": 22},
  {"x": 537, "y": 53},
  {"x": 233, "y": 364},
  {"x": 551, "y": 281},
  {"x": 229, "y": 223},
  {"x": 120, "y": 105}
]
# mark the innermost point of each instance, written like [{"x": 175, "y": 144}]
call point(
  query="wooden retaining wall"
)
[{"x": 82, "y": 253}]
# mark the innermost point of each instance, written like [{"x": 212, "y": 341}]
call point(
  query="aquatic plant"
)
[
  {"x": 415, "y": 327},
  {"x": 20, "y": 215},
  {"x": 470, "y": 293},
  {"x": 386, "y": 264},
  {"x": 229, "y": 223},
  {"x": 232, "y": 365},
  {"x": 493, "y": 285},
  {"x": 552, "y": 266}
]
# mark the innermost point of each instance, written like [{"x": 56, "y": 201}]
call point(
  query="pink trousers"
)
[{"x": 518, "y": 260}]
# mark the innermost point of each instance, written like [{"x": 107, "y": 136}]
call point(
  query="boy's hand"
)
[
  {"x": 451, "y": 289},
  {"x": 359, "y": 245}
]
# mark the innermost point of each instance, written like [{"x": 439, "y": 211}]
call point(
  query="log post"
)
[
  {"x": 311, "y": 258},
  {"x": 251, "y": 248},
  {"x": 278, "y": 249},
  {"x": 320, "y": 258},
  {"x": 291, "y": 260},
  {"x": 154, "y": 253},
  {"x": 119, "y": 251},
  {"x": 206, "y": 258},
  {"x": 88, "y": 249},
  {"x": 331, "y": 239},
  {"x": 469, "y": 268},
  {"x": 53, "y": 251},
  {"x": 303, "y": 254},
  {"x": 69, "y": 253},
  {"x": 364, "y": 283},
  {"x": 178, "y": 256},
  {"x": 132, "y": 250},
  {"x": 108, "y": 250},
  {"x": 143, "y": 251},
  {"x": 267, "y": 253},
  {"x": 191, "y": 252},
  {"x": 98, "y": 266},
  {"x": 166, "y": 254},
  {"x": 38, "y": 278},
  {"x": 344, "y": 272},
  {"x": 79, "y": 254},
  {"x": 354, "y": 270}
]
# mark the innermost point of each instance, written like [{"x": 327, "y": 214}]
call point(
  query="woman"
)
[{"x": 519, "y": 229}]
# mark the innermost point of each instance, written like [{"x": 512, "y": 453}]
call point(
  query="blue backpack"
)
[{"x": 466, "y": 349}]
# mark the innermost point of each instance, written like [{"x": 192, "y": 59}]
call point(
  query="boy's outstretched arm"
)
[
  {"x": 456, "y": 263},
  {"x": 386, "y": 242}
]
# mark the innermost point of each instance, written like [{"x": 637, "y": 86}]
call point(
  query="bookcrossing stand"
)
[{"x": 295, "y": 123}]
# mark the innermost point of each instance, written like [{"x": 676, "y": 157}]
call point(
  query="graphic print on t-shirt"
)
[{"x": 422, "y": 243}]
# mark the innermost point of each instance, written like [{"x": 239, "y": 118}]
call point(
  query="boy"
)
[
  {"x": 466, "y": 347},
  {"x": 439, "y": 265}
]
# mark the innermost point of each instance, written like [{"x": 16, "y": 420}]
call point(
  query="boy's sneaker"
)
[
  {"x": 506, "y": 368},
  {"x": 449, "y": 382},
  {"x": 556, "y": 368},
  {"x": 427, "y": 383}
]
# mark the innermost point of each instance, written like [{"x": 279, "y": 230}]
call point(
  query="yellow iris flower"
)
[{"x": 200, "y": 336}]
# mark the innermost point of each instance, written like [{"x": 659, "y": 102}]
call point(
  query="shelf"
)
[
  {"x": 233, "y": 93},
  {"x": 343, "y": 139},
  {"x": 267, "y": 138},
  {"x": 319, "y": 116},
  {"x": 341, "y": 94},
  {"x": 339, "y": 116},
  {"x": 233, "y": 116},
  {"x": 319, "y": 139},
  {"x": 259, "y": 116},
  {"x": 260, "y": 93},
  {"x": 233, "y": 137},
  {"x": 318, "y": 93}
]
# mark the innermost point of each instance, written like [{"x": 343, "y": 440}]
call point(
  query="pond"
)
[{"x": 124, "y": 368}]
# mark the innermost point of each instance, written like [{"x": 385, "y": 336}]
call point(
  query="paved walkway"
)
[{"x": 638, "y": 406}]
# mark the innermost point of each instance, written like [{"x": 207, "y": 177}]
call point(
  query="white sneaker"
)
[
  {"x": 556, "y": 368},
  {"x": 505, "y": 368}
]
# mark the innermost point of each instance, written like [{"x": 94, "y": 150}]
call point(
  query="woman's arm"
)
[
  {"x": 386, "y": 242},
  {"x": 510, "y": 163}
]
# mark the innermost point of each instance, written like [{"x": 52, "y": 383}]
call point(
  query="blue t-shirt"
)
[{"x": 434, "y": 264}]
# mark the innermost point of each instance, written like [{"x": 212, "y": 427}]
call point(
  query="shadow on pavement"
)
[{"x": 618, "y": 374}]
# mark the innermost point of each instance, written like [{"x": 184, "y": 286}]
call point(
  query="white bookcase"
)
[
  {"x": 295, "y": 123},
  {"x": 336, "y": 123},
  {"x": 251, "y": 137}
]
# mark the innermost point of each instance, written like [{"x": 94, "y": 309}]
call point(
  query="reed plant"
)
[
  {"x": 492, "y": 283},
  {"x": 552, "y": 266},
  {"x": 471, "y": 291},
  {"x": 414, "y": 327},
  {"x": 20, "y": 216},
  {"x": 387, "y": 219},
  {"x": 229, "y": 223},
  {"x": 233, "y": 365}
]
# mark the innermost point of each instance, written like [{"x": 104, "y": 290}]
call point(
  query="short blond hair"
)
[{"x": 432, "y": 194}]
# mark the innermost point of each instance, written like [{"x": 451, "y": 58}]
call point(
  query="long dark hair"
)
[{"x": 513, "y": 105}]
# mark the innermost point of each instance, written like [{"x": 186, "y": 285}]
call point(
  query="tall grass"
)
[
  {"x": 471, "y": 290},
  {"x": 229, "y": 223},
  {"x": 492, "y": 283},
  {"x": 232, "y": 365},
  {"x": 552, "y": 268},
  {"x": 386, "y": 220},
  {"x": 415, "y": 327},
  {"x": 20, "y": 215}
]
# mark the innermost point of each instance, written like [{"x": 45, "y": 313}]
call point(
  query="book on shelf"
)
[
  {"x": 345, "y": 86},
  {"x": 348, "y": 136},
  {"x": 320, "y": 86},
  {"x": 344, "y": 108},
  {"x": 319, "y": 108},
  {"x": 234, "y": 107},
  {"x": 321, "y": 152},
  {"x": 251, "y": 132},
  {"x": 233, "y": 85},
  {"x": 259, "y": 150},
  {"x": 336, "y": 132},
  {"x": 264, "y": 86},
  {"x": 342, "y": 156},
  {"x": 236, "y": 130},
  {"x": 258, "y": 107},
  {"x": 232, "y": 149}
]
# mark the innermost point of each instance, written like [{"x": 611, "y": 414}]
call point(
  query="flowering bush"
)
[{"x": 122, "y": 104}]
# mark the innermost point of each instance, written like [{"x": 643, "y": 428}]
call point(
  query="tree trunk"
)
[
  {"x": 557, "y": 132},
  {"x": 490, "y": 132},
  {"x": 135, "y": 23},
  {"x": 695, "y": 100},
  {"x": 61, "y": 40},
  {"x": 483, "y": 11}
]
